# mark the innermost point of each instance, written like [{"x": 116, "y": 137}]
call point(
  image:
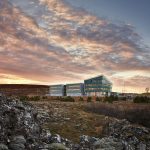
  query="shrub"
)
[
  {"x": 123, "y": 98},
  {"x": 24, "y": 98},
  {"x": 134, "y": 113},
  {"x": 67, "y": 99},
  {"x": 108, "y": 99},
  {"x": 81, "y": 99},
  {"x": 98, "y": 99},
  {"x": 35, "y": 98},
  {"x": 111, "y": 99},
  {"x": 44, "y": 97},
  {"x": 141, "y": 99},
  {"x": 116, "y": 98},
  {"x": 89, "y": 99}
]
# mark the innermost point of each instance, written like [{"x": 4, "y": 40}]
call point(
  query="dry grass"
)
[
  {"x": 80, "y": 122},
  {"x": 135, "y": 113},
  {"x": 89, "y": 118}
]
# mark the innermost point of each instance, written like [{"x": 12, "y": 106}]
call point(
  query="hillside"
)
[{"x": 23, "y": 89}]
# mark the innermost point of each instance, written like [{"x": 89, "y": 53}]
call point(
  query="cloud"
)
[
  {"x": 28, "y": 50},
  {"x": 131, "y": 84},
  {"x": 51, "y": 41},
  {"x": 12, "y": 79}
]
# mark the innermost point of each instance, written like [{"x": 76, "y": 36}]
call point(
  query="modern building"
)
[
  {"x": 76, "y": 89},
  {"x": 57, "y": 90},
  {"x": 97, "y": 86}
]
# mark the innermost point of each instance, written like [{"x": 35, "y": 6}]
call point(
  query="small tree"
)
[
  {"x": 35, "y": 98},
  {"x": 147, "y": 90},
  {"x": 44, "y": 97},
  {"x": 81, "y": 99},
  {"x": 111, "y": 99},
  {"x": 98, "y": 99},
  {"x": 89, "y": 99},
  {"x": 68, "y": 99},
  {"x": 108, "y": 99},
  {"x": 24, "y": 98}
]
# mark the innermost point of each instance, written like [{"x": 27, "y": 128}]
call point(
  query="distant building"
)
[
  {"x": 76, "y": 89},
  {"x": 57, "y": 90},
  {"x": 97, "y": 86}
]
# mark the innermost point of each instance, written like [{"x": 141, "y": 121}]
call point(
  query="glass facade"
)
[
  {"x": 75, "y": 89},
  {"x": 98, "y": 86},
  {"x": 57, "y": 90}
]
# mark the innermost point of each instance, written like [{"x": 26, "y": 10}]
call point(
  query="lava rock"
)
[
  {"x": 19, "y": 139},
  {"x": 133, "y": 136},
  {"x": 57, "y": 146},
  {"x": 16, "y": 146},
  {"x": 108, "y": 143},
  {"x": 55, "y": 138},
  {"x": 21, "y": 129},
  {"x": 3, "y": 147}
]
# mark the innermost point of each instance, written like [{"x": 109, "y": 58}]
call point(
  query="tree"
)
[
  {"x": 147, "y": 90},
  {"x": 89, "y": 99},
  {"x": 98, "y": 99}
]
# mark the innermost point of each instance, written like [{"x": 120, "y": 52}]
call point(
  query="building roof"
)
[
  {"x": 75, "y": 84},
  {"x": 57, "y": 85},
  {"x": 100, "y": 77}
]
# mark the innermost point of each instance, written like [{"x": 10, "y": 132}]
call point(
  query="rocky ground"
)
[{"x": 25, "y": 126}]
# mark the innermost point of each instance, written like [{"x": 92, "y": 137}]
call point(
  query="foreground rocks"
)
[
  {"x": 21, "y": 129},
  {"x": 120, "y": 135},
  {"x": 132, "y": 136}
]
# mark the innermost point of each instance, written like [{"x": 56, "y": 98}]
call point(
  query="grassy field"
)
[
  {"x": 133, "y": 112},
  {"x": 71, "y": 121}
]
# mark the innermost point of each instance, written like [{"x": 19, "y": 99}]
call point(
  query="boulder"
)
[
  {"x": 133, "y": 136},
  {"x": 109, "y": 143},
  {"x": 18, "y": 139},
  {"x": 3, "y": 147},
  {"x": 16, "y": 146},
  {"x": 57, "y": 146}
]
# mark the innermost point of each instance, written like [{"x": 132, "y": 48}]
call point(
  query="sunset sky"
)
[{"x": 67, "y": 41}]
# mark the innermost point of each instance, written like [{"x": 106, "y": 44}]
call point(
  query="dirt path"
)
[{"x": 70, "y": 120}]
